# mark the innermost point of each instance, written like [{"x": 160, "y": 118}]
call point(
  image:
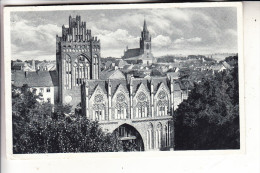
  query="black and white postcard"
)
[{"x": 147, "y": 78}]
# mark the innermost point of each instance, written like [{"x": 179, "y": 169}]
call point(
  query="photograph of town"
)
[{"x": 125, "y": 80}]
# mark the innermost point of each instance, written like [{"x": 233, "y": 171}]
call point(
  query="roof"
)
[
  {"x": 157, "y": 82},
  {"x": 121, "y": 63},
  {"x": 185, "y": 84},
  {"x": 19, "y": 63},
  {"x": 226, "y": 65},
  {"x": 108, "y": 63},
  {"x": 136, "y": 82},
  {"x": 115, "y": 84},
  {"x": 92, "y": 84},
  {"x": 35, "y": 79},
  {"x": 111, "y": 74},
  {"x": 174, "y": 75},
  {"x": 131, "y": 53}
]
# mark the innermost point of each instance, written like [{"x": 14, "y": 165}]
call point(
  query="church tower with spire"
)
[
  {"x": 143, "y": 54},
  {"x": 145, "y": 41}
]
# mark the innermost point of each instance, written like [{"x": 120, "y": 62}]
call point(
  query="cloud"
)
[
  {"x": 33, "y": 40},
  {"x": 161, "y": 41},
  {"x": 173, "y": 29},
  {"x": 113, "y": 43},
  {"x": 186, "y": 41}
]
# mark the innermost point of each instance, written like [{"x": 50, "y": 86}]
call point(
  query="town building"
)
[
  {"x": 77, "y": 58},
  {"x": 143, "y": 54},
  {"x": 139, "y": 109},
  {"x": 45, "y": 83}
]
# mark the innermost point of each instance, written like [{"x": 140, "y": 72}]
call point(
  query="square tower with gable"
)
[{"x": 78, "y": 59}]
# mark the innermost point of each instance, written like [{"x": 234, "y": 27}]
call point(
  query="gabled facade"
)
[
  {"x": 77, "y": 58},
  {"x": 145, "y": 105}
]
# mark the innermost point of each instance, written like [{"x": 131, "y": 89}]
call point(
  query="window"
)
[
  {"x": 98, "y": 114},
  {"x": 79, "y": 81},
  {"x": 49, "y": 100},
  {"x": 48, "y": 90},
  {"x": 149, "y": 137},
  {"x": 41, "y": 90}
]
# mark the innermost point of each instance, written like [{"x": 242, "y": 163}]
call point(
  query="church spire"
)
[{"x": 145, "y": 27}]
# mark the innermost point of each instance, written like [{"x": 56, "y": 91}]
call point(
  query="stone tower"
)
[
  {"x": 145, "y": 41},
  {"x": 77, "y": 58}
]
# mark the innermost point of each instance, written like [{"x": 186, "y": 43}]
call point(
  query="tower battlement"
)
[{"x": 76, "y": 32}]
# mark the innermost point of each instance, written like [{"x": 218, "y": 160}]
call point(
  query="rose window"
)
[
  {"x": 141, "y": 96},
  {"x": 161, "y": 95},
  {"x": 120, "y": 98},
  {"x": 98, "y": 98}
]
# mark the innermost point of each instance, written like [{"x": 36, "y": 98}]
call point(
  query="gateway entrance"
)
[{"x": 130, "y": 137}]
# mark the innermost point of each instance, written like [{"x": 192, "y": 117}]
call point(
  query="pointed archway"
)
[{"x": 130, "y": 137}]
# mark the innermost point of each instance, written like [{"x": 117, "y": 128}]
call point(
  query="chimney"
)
[{"x": 26, "y": 74}]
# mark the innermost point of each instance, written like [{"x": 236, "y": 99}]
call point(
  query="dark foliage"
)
[
  {"x": 39, "y": 129},
  {"x": 209, "y": 118}
]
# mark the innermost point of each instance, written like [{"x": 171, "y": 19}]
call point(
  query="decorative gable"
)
[
  {"x": 98, "y": 93},
  {"x": 120, "y": 89},
  {"x": 162, "y": 88},
  {"x": 142, "y": 93}
]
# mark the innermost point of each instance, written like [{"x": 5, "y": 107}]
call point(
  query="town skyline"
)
[{"x": 176, "y": 31}]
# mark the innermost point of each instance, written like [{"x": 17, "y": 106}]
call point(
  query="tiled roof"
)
[
  {"x": 115, "y": 84},
  {"x": 92, "y": 84},
  {"x": 185, "y": 84},
  {"x": 157, "y": 82},
  {"x": 132, "y": 53},
  {"x": 35, "y": 79},
  {"x": 177, "y": 86},
  {"x": 106, "y": 74},
  {"x": 136, "y": 82},
  {"x": 121, "y": 63}
]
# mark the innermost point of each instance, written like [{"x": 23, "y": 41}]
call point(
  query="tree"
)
[
  {"x": 37, "y": 129},
  {"x": 209, "y": 118}
]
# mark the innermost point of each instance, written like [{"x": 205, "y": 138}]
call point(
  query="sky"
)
[{"x": 174, "y": 31}]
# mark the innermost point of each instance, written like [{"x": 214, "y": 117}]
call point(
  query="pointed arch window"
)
[
  {"x": 99, "y": 108},
  {"x": 121, "y": 106},
  {"x": 81, "y": 70},
  {"x": 96, "y": 65},
  {"x": 149, "y": 136},
  {"x": 142, "y": 105},
  {"x": 158, "y": 136},
  {"x": 162, "y": 104},
  {"x": 167, "y": 135},
  {"x": 68, "y": 74}
]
